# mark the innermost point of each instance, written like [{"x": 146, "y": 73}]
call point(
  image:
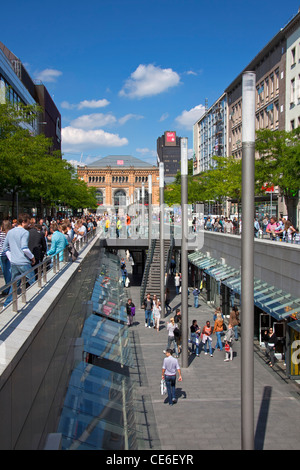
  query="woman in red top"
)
[{"x": 206, "y": 338}]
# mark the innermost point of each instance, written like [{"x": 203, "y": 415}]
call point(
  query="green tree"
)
[
  {"x": 27, "y": 167},
  {"x": 279, "y": 165}
]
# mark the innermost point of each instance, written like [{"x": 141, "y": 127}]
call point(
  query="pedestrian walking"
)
[
  {"x": 234, "y": 320},
  {"x": 130, "y": 309},
  {"x": 196, "y": 293},
  {"x": 195, "y": 337},
  {"x": 270, "y": 340},
  {"x": 206, "y": 338},
  {"x": 171, "y": 338},
  {"x": 156, "y": 311},
  {"x": 177, "y": 283},
  {"x": 148, "y": 306},
  {"x": 218, "y": 329},
  {"x": 178, "y": 329},
  {"x": 169, "y": 369}
]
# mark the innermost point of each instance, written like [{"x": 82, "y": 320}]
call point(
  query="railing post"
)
[
  {"x": 23, "y": 289},
  {"x": 39, "y": 273},
  {"x": 15, "y": 296}
]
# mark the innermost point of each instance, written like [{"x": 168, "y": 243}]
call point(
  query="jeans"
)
[
  {"x": 170, "y": 384},
  {"x": 15, "y": 272},
  {"x": 209, "y": 346},
  {"x": 195, "y": 342},
  {"x": 219, "y": 340},
  {"x": 196, "y": 301},
  {"x": 236, "y": 333},
  {"x": 171, "y": 340},
  {"x": 148, "y": 314},
  {"x": 6, "y": 270},
  {"x": 177, "y": 290}
]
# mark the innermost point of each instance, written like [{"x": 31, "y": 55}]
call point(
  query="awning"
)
[
  {"x": 222, "y": 272},
  {"x": 98, "y": 411},
  {"x": 270, "y": 299}
]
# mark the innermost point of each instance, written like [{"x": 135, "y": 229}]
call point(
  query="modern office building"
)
[
  {"x": 169, "y": 152},
  {"x": 277, "y": 107},
  {"x": 210, "y": 135},
  {"x": 292, "y": 105},
  {"x": 17, "y": 86}
]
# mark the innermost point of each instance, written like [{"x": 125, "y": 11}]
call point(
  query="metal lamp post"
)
[
  {"x": 161, "y": 237},
  {"x": 184, "y": 253},
  {"x": 149, "y": 210},
  {"x": 247, "y": 285}
]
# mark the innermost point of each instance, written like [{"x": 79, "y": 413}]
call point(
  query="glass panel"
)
[
  {"x": 107, "y": 339},
  {"x": 98, "y": 411}
]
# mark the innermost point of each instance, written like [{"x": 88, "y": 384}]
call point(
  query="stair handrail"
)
[{"x": 147, "y": 269}]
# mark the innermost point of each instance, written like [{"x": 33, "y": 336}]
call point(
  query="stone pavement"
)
[{"x": 207, "y": 415}]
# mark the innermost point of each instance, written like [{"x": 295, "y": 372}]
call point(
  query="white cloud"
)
[
  {"x": 127, "y": 117},
  {"x": 48, "y": 75},
  {"x": 188, "y": 118},
  {"x": 86, "y": 104},
  {"x": 146, "y": 151},
  {"x": 93, "y": 121},
  {"x": 73, "y": 138},
  {"x": 93, "y": 103},
  {"x": 164, "y": 117},
  {"x": 149, "y": 80}
]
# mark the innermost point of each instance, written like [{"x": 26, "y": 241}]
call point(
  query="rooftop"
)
[{"x": 117, "y": 161}]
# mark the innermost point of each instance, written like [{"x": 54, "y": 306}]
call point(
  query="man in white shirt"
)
[{"x": 169, "y": 369}]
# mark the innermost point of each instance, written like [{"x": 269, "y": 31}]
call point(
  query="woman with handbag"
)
[{"x": 130, "y": 309}]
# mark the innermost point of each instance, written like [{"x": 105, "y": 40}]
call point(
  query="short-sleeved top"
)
[{"x": 170, "y": 365}]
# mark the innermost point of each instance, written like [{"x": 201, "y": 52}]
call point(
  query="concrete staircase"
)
[{"x": 153, "y": 279}]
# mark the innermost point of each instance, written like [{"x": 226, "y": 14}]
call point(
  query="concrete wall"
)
[
  {"x": 276, "y": 263},
  {"x": 37, "y": 354}
]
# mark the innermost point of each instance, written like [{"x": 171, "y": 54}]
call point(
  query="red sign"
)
[
  {"x": 120, "y": 162},
  {"x": 268, "y": 189},
  {"x": 171, "y": 136}
]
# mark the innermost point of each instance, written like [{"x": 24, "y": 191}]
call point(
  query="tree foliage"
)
[
  {"x": 279, "y": 164},
  {"x": 29, "y": 169}
]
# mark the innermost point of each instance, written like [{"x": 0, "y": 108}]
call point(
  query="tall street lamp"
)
[
  {"x": 184, "y": 253},
  {"x": 161, "y": 237},
  {"x": 247, "y": 260}
]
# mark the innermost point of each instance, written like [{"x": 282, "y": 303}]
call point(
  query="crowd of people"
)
[
  {"x": 280, "y": 229},
  {"x": 202, "y": 338},
  {"x": 27, "y": 241}
]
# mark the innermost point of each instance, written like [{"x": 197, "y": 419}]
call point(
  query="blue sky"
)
[{"x": 122, "y": 72}]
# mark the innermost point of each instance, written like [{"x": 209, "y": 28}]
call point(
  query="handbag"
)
[
  {"x": 132, "y": 311},
  {"x": 163, "y": 387}
]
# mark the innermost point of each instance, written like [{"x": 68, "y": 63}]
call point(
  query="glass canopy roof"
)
[{"x": 269, "y": 298}]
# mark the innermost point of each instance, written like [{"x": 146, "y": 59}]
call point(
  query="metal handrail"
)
[
  {"x": 41, "y": 270},
  {"x": 147, "y": 269}
]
